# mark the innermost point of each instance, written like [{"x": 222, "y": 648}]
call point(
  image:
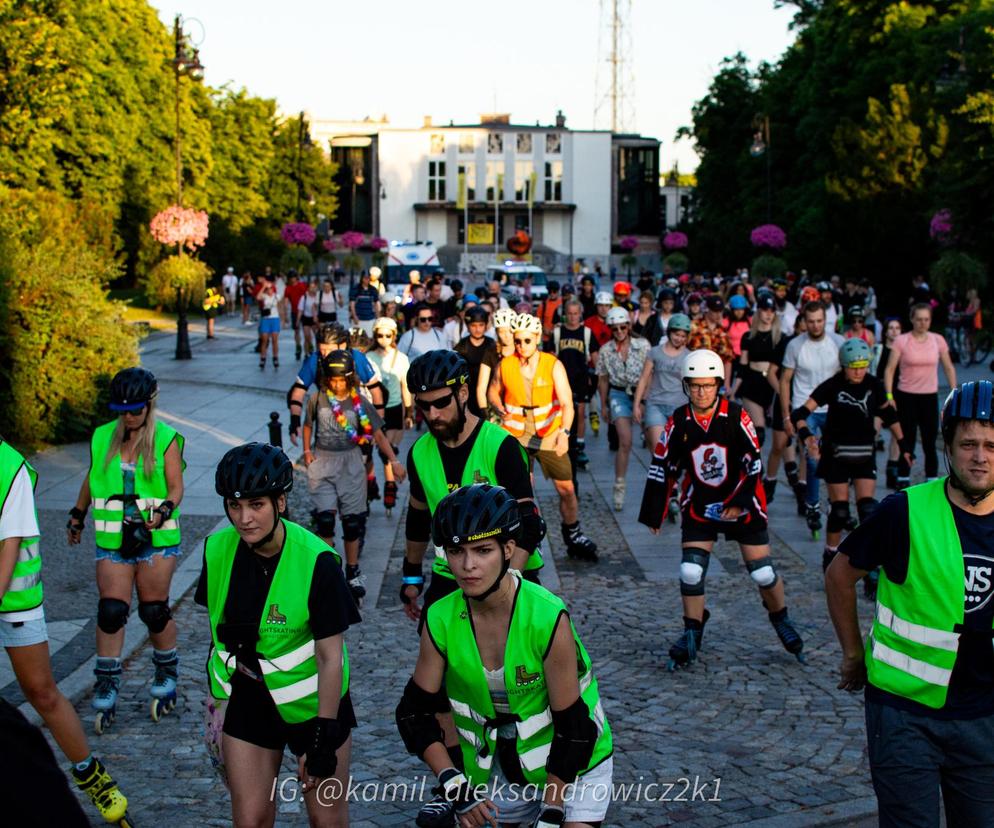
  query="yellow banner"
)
[
  {"x": 499, "y": 191},
  {"x": 461, "y": 192},
  {"x": 532, "y": 183},
  {"x": 481, "y": 233}
]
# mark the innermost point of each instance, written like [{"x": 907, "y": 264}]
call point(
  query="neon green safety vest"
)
[
  {"x": 911, "y": 650},
  {"x": 24, "y": 591},
  {"x": 107, "y": 485},
  {"x": 286, "y": 644},
  {"x": 479, "y": 468},
  {"x": 533, "y": 621}
]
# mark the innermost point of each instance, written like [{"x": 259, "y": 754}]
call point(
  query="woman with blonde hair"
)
[
  {"x": 135, "y": 484},
  {"x": 392, "y": 365}
]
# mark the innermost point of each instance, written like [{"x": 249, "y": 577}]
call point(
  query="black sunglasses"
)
[
  {"x": 425, "y": 318},
  {"x": 440, "y": 403},
  {"x": 523, "y": 341}
]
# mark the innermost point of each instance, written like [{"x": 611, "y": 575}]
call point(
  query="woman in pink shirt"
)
[{"x": 918, "y": 354}]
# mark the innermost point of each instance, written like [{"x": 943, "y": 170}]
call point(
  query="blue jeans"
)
[
  {"x": 816, "y": 422},
  {"x": 913, "y": 758}
]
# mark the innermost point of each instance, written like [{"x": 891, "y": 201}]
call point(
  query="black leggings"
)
[{"x": 919, "y": 412}]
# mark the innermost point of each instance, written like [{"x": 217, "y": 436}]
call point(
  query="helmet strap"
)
[{"x": 956, "y": 483}]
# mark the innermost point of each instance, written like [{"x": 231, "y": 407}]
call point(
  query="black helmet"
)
[
  {"x": 553, "y": 285},
  {"x": 132, "y": 389},
  {"x": 477, "y": 314},
  {"x": 253, "y": 470},
  {"x": 473, "y": 513},
  {"x": 437, "y": 369},
  {"x": 338, "y": 364},
  {"x": 333, "y": 333},
  {"x": 971, "y": 401}
]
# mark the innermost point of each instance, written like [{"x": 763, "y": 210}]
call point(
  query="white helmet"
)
[
  {"x": 603, "y": 298},
  {"x": 528, "y": 323},
  {"x": 375, "y": 273},
  {"x": 505, "y": 318},
  {"x": 385, "y": 323},
  {"x": 617, "y": 316},
  {"x": 702, "y": 364}
]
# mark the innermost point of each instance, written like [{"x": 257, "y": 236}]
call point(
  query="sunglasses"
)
[
  {"x": 384, "y": 336},
  {"x": 425, "y": 318},
  {"x": 440, "y": 403},
  {"x": 527, "y": 341},
  {"x": 619, "y": 327}
]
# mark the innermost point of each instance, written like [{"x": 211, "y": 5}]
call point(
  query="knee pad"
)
[
  {"x": 112, "y": 614},
  {"x": 693, "y": 570},
  {"x": 762, "y": 572},
  {"x": 761, "y": 435},
  {"x": 325, "y": 523},
  {"x": 838, "y": 516},
  {"x": 865, "y": 507},
  {"x": 353, "y": 527},
  {"x": 154, "y": 615}
]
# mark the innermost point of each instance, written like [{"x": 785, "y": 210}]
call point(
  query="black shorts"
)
[
  {"x": 252, "y": 716},
  {"x": 832, "y": 470},
  {"x": 327, "y": 316},
  {"x": 754, "y": 533},
  {"x": 439, "y": 586},
  {"x": 306, "y": 321},
  {"x": 776, "y": 418},
  {"x": 393, "y": 418},
  {"x": 755, "y": 388}
]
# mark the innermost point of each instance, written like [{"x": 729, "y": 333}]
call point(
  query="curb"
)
[
  {"x": 840, "y": 813},
  {"x": 80, "y": 681}
]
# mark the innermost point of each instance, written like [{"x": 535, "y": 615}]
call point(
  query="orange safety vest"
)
[
  {"x": 547, "y": 313},
  {"x": 543, "y": 402}
]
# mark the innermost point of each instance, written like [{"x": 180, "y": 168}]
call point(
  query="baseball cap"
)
[
  {"x": 714, "y": 303},
  {"x": 765, "y": 302}
]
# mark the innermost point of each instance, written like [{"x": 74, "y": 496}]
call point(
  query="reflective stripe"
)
[
  {"x": 928, "y": 673},
  {"x": 108, "y": 505},
  {"x": 287, "y": 661},
  {"x": 916, "y": 632},
  {"x": 168, "y": 525},
  {"x": 298, "y": 690},
  {"x": 533, "y": 724},
  {"x": 111, "y": 527},
  {"x": 485, "y": 761},
  {"x": 470, "y": 737},
  {"x": 535, "y": 758},
  {"x": 28, "y": 552},
  {"x": 467, "y": 712},
  {"x": 24, "y": 582},
  {"x": 586, "y": 681},
  {"x": 599, "y": 718}
]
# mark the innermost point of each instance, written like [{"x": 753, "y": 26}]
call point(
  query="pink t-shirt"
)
[{"x": 919, "y": 362}]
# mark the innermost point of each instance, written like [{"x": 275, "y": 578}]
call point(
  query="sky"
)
[{"x": 456, "y": 59}]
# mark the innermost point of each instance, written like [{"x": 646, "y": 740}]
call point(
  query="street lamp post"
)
[
  {"x": 186, "y": 61},
  {"x": 761, "y": 146}
]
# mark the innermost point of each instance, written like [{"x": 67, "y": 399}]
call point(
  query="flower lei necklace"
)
[{"x": 344, "y": 424}]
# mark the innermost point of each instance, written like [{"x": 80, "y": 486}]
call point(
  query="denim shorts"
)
[
  {"x": 269, "y": 325},
  {"x": 23, "y": 633},
  {"x": 657, "y": 414},
  {"x": 147, "y": 555},
  {"x": 620, "y": 403}
]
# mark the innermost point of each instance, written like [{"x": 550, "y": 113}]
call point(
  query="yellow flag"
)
[
  {"x": 461, "y": 192},
  {"x": 532, "y": 183},
  {"x": 499, "y": 192},
  {"x": 480, "y": 233}
]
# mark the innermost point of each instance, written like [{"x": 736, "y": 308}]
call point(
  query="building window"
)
[
  {"x": 495, "y": 143},
  {"x": 495, "y": 169},
  {"x": 467, "y": 143},
  {"x": 524, "y": 145},
  {"x": 637, "y": 191},
  {"x": 521, "y": 223},
  {"x": 436, "y": 181},
  {"x": 469, "y": 171},
  {"x": 553, "y": 143},
  {"x": 522, "y": 179},
  {"x": 553, "y": 180},
  {"x": 437, "y": 143}
]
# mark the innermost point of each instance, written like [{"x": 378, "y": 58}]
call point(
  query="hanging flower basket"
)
[
  {"x": 182, "y": 226},
  {"x": 352, "y": 239},
  {"x": 675, "y": 240},
  {"x": 297, "y": 233},
  {"x": 940, "y": 228},
  {"x": 768, "y": 236}
]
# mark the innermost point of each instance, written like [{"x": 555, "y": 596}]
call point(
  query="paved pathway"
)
[{"x": 747, "y": 737}]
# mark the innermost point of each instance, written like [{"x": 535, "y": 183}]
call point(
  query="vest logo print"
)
[
  {"x": 478, "y": 477},
  {"x": 710, "y": 464},
  {"x": 522, "y": 676},
  {"x": 979, "y": 581},
  {"x": 275, "y": 616}
]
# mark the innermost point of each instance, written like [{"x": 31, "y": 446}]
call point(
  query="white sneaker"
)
[{"x": 619, "y": 494}]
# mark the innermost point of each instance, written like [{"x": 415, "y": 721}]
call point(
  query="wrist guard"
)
[
  {"x": 77, "y": 519},
  {"x": 294, "y": 422},
  {"x": 413, "y": 576},
  {"x": 166, "y": 509},
  {"x": 549, "y": 816},
  {"x": 455, "y": 788},
  {"x": 321, "y": 760}
]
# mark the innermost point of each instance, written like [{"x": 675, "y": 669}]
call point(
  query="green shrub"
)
[
  {"x": 675, "y": 263},
  {"x": 61, "y": 337},
  {"x": 176, "y": 276},
  {"x": 767, "y": 267},
  {"x": 957, "y": 269},
  {"x": 297, "y": 258}
]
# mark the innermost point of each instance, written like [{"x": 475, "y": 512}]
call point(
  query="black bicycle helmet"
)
[
  {"x": 333, "y": 333},
  {"x": 437, "y": 369},
  {"x": 474, "y": 513},
  {"x": 477, "y": 314},
  {"x": 132, "y": 389},
  {"x": 971, "y": 401},
  {"x": 338, "y": 364},
  {"x": 253, "y": 470}
]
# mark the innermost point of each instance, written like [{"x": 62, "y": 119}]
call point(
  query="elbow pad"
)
[
  {"x": 573, "y": 740},
  {"x": 532, "y": 526},
  {"x": 418, "y": 525},
  {"x": 416, "y": 718}
]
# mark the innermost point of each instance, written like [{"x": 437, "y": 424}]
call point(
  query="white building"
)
[{"x": 576, "y": 192}]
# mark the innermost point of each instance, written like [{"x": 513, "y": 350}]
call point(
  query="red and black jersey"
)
[{"x": 720, "y": 461}]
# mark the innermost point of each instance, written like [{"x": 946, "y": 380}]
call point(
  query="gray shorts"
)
[
  {"x": 337, "y": 481},
  {"x": 23, "y": 633}
]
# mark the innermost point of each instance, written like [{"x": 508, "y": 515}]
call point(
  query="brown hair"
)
[{"x": 814, "y": 306}]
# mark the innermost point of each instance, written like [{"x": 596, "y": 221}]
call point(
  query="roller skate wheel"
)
[
  {"x": 102, "y": 721},
  {"x": 125, "y": 822},
  {"x": 161, "y": 707}
]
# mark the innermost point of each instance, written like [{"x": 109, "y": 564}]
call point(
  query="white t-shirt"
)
[
  {"x": 454, "y": 330},
  {"x": 230, "y": 283},
  {"x": 18, "y": 520},
  {"x": 788, "y": 318},
  {"x": 813, "y": 363},
  {"x": 415, "y": 342}
]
